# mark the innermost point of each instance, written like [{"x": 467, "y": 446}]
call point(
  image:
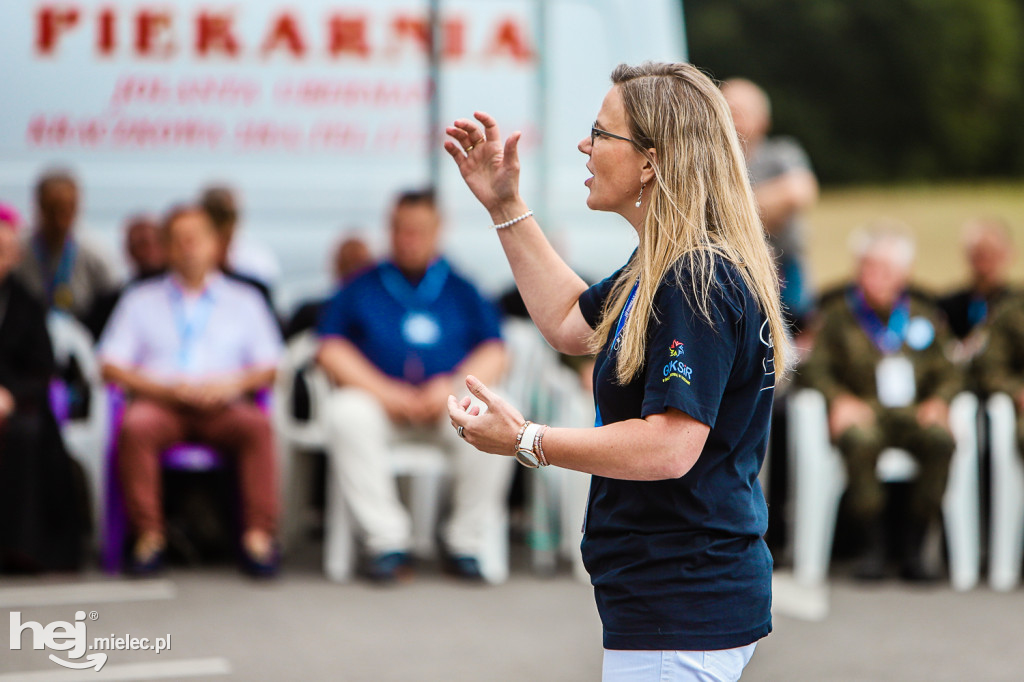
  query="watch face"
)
[{"x": 527, "y": 458}]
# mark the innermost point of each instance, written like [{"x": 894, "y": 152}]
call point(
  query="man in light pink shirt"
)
[{"x": 190, "y": 348}]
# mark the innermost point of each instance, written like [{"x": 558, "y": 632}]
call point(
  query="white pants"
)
[
  {"x": 359, "y": 434},
  {"x": 724, "y": 665}
]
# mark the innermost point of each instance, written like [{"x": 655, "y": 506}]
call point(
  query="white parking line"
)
[
  {"x": 189, "y": 667},
  {"x": 86, "y": 593}
]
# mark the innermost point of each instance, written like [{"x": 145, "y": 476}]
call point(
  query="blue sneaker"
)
[
  {"x": 388, "y": 567},
  {"x": 464, "y": 567}
]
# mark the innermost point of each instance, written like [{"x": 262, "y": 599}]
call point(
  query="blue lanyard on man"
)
[
  {"x": 977, "y": 311},
  {"x": 190, "y": 324},
  {"x": 888, "y": 337},
  {"x": 58, "y": 281},
  {"x": 420, "y": 328}
]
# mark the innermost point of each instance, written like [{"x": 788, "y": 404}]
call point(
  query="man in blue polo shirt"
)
[{"x": 396, "y": 342}]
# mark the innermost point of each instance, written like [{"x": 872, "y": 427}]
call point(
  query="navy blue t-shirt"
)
[
  {"x": 681, "y": 564},
  {"x": 411, "y": 331}
]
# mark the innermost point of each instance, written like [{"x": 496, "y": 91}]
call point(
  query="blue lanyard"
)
[
  {"x": 977, "y": 311},
  {"x": 61, "y": 277},
  {"x": 623, "y": 316},
  {"x": 889, "y": 337},
  {"x": 190, "y": 327},
  {"x": 424, "y": 294}
]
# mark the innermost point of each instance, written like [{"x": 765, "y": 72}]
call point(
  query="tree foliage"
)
[{"x": 879, "y": 89}]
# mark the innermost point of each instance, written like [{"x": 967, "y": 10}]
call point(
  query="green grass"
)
[{"x": 935, "y": 213}]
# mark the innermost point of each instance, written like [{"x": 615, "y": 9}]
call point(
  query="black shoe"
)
[
  {"x": 464, "y": 567},
  {"x": 870, "y": 568},
  {"x": 871, "y": 565},
  {"x": 913, "y": 566},
  {"x": 262, "y": 567},
  {"x": 388, "y": 568},
  {"x": 917, "y": 571},
  {"x": 149, "y": 565}
]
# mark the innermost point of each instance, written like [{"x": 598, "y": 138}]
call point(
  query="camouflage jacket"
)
[
  {"x": 844, "y": 357},
  {"x": 1000, "y": 366}
]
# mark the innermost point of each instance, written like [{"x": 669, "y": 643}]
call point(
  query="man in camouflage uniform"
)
[
  {"x": 879, "y": 361},
  {"x": 1000, "y": 366}
]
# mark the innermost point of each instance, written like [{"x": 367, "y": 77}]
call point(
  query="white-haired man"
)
[{"x": 879, "y": 360}]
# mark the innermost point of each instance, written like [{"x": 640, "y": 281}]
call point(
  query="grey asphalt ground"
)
[{"x": 302, "y": 627}]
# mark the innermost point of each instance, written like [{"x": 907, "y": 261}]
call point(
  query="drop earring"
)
[{"x": 641, "y": 197}]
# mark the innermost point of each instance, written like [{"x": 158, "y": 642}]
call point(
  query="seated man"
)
[
  {"x": 879, "y": 361},
  {"x": 59, "y": 268},
  {"x": 351, "y": 258},
  {"x": 147, "y": 257},
  {"x": 398, "y": 341},
  {"x": 988, "y": 248},
  {"x": 189, "y": 348}
]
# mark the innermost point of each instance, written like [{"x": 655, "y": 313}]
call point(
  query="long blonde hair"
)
[{"x": 701, "y": 207}]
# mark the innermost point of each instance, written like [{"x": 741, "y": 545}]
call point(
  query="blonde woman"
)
[{"x": 684, "y": 377}]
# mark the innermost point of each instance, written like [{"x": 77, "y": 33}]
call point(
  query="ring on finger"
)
[
  {"x": 461, "y": 431},
  {"x": 470, "y": 147}
]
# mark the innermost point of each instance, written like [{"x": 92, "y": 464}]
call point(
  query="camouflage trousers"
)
[{"x": 931, "y": 447}]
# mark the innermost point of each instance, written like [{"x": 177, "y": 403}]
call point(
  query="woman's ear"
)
[{"x": 647, "y": 170}]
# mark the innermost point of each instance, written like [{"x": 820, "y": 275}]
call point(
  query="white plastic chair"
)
[
  {"x": 1006, "y": 540},
  {"x": 547, "y": 391},
  {"x": 297, "y": 439},
  {"x": 86, "y": 439},
  {"x": 818, "y": 477}
]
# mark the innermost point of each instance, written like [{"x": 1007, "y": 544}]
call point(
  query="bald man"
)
[{"x": 784, "y": 187}]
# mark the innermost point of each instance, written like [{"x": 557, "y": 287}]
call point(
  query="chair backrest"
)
[
  {"x": 299, "y": 364},
  {"x": 538, "y": 383},
  {"x": 530, "y": 359},
  {"x": 71, "y": 339},
  {"x": 84, "y": 436}
]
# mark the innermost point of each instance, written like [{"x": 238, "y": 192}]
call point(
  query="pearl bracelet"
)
[{"x": 510, "y": 223}]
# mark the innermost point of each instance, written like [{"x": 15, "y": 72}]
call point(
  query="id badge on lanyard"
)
[{"x": 894, "y": 377}]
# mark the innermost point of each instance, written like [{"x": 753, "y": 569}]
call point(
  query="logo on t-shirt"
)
[{"x": 676, "y": 368}]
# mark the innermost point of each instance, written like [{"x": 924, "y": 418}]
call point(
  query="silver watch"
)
[{"x": 527, "y": 458}]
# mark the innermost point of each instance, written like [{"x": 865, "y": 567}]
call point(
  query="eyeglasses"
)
[{"x": 596, "y": 132}]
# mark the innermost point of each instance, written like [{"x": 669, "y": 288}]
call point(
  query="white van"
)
[{"x": 317, "y": 112}]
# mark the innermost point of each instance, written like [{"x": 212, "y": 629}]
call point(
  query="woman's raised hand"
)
[{"x": 489, "y": 167}]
